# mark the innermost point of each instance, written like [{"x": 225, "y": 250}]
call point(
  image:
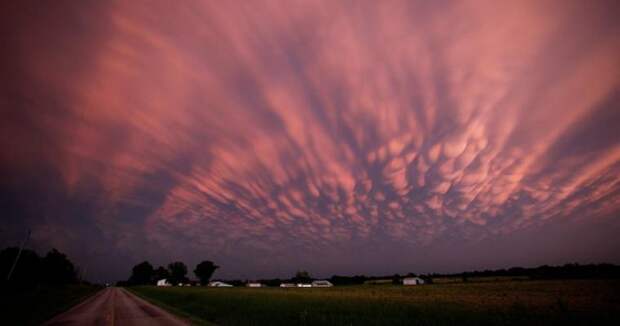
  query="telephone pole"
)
[{"x": 8, "y": 277}]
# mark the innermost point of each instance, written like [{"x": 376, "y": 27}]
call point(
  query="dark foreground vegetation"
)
[
  {"x": 540, "y": 302},
  {"x": 34, "y": 288},
  {"x": 34, "y": 305}
]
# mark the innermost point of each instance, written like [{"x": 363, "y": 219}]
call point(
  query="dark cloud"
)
[{"x": 338, "y": 137}]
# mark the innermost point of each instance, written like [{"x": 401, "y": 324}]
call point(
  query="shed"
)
[
  {"x": 322, "y": 284},
  {"x": 163, "y": 282},
  {"x": 412, "y": 281}
]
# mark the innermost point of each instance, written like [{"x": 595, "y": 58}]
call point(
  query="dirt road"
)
[{"x": 116, "y": 306}]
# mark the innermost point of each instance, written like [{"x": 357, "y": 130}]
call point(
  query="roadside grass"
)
[
  {"x": 171, "y": 309},
  {"x": 35, "y": 305},
  {"x": 572, "y": 302}
]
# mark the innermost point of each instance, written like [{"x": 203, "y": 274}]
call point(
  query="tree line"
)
[
  {"x": 32, "y": 269},
  {"x": 175, "y": 273},
  {"x": 567, "y": 271}
]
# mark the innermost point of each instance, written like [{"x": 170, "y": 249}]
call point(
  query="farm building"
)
[
  {"x": 163, "y": 282},
  {"x": 288, "y": 285},
  {"x": 304, "y": 285},
  {"x": 254, "y": 285},
  {"x": 322, "y": 284},
  {"x": 218, "y": 284},
  {"x": 412, "y": 281}
]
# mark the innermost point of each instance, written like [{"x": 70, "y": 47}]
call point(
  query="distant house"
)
[
  {"x": 218, "y": 284},
  {"x": 304, "y": 285},
  {"x": 412, "y": 281},
  {"x": 288, "y": 285},
  {"x": 322, "y": 284},
  {"x": 254, "y": 285},
  {"x": 163, "y": 282}
]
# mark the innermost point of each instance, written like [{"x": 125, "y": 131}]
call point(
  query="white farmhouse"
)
[
  {"x": 412, "y": 281},
  {"x": 322, "y": 284},
  {"x": 163, "y": 282}
]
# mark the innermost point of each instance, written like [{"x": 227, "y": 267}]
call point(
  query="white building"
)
[
  {"x": 163, "y": 282},
  {"x": 219, "y": 284},
  {"x": 304, "y": 285},
  {"x": 254, "y": 285},
  {"x": 288, "y": 285},
  {"x": 322, "y": 284},
  {"x": 412, "y": 281}
]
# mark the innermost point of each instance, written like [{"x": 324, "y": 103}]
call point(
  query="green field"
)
[
  {"x": 32, "y": 306},
  {"x": 490, "y": 303}
]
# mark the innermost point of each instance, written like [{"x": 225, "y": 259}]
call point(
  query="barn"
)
[
  {"x": 163, "y": 282},
  {"x": 322, "y": 284},
  {"x": 412, "y": 281}
]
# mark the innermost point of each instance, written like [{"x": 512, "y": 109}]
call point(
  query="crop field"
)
[{"x": 573, "y": 302}]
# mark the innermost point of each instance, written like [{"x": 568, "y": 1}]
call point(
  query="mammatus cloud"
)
[{"x": 316, "y": 126}]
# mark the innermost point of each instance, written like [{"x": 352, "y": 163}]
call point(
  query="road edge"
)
[
  {"x": 72, "y": 305},
  {"x": 175, "y": 311}
]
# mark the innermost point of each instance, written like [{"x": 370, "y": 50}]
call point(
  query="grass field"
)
[
  {"x": 32, "y": 306},
  {"x": 509, "y": 302}
]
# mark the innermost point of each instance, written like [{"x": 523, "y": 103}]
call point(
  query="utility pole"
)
[{"x": 8, "y": 277}]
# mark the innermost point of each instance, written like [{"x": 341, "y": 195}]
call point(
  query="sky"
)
[{"x": 339, "y": 137}]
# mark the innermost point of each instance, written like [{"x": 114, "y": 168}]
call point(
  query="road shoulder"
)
[{"x": 174, "y": 311}]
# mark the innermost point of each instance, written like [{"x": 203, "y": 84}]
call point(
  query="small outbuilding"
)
[
  {"x": 322, "y": 284},
  {"x": 304, "y": 285},
  {"x": 288, "y": 285},
  {"x": 163, "y": 282},
  {"x": 218, "y": 284},
  {"x": 254, "y": 285},
  {"x": 412, "y": 281}
]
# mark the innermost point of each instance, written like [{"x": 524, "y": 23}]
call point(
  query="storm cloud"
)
[{"x": 336, "y": 136}]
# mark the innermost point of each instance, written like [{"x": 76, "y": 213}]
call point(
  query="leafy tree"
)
[
  {"x": 141, "y": 274},
  {"x": 302, "y": 277},
  {"x": 204, "y": 271},
  {"x": 160, "y": 273},
  {"x": 178, "y": 272},
  {"x": 57, "y": 268},
  {"x": 28, "y": 267}
]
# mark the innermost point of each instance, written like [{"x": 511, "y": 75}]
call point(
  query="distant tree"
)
[
  {"x": 28, "y": 267},
  {"x": 178, "y": 272},
  {"x": 160, "y": 273},
  {"x": 302, "y": 277},
  {"x": 57, "y": 268},
  {"x": 141, "y": 274},
  {"x": 205, "y": 270}
]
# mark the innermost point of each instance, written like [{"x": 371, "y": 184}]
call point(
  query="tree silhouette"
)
[
  {"x": 302, "y": 277},
  {"x": 160, "y": 273},
  {"x": 57, "y": 268},
  {"x": 141, "y": 274},
  {"x": 204, "y": 271},
  {"x": 27, "y": 270},
  {"x": 178, "y": 272}
]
